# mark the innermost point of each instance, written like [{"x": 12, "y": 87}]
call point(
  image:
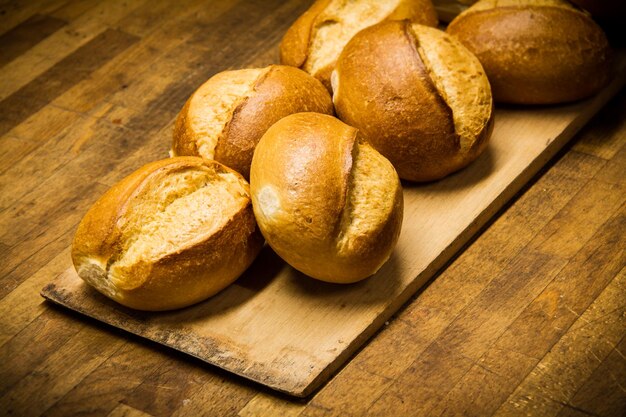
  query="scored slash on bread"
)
[
  {"x": 315, "y": 40},
  {"x": 171, "y": 234},
  {"x": 206, "y": 114},
  {"x": 327, "y": 202},
  {"x": 417, "y": 95},
  {"x": 178, "y": 231},
  {"x": 226, "y": 116}
]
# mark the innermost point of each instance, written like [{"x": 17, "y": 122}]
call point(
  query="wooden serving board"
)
[{"x": 290, "y": 332}]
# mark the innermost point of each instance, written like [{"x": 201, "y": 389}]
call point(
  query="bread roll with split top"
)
[
  {"x": 169, "y": 235},
  {"x": 225, "y": 118},
  {"x": 417, "y": 95},
  {"x": 536, "y": 51},
  {"x": 316, "y": 39},
  {"x": 328, "y": 203}
]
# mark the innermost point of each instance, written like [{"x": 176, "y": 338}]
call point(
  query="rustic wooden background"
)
[{"x": 530, "y": 318}]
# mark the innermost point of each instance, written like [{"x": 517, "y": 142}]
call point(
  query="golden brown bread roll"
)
[
  {"x": 417, "y": 95},
  {"x": 316, "y": 39},
  {"x": 535, "y": 51},
  {"x": 169, "y": 235},
  {"x": 326, "y": 202},
  {"x": 225, "y": 118}
]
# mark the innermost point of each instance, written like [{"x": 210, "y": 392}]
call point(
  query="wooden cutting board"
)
[{"x": 291, "y": 333}]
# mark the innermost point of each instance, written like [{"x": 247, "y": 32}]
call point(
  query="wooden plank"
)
[
  {"x": 604, "y": 392},
  {"x": 48, "y": 182},
  {"x": 511, "y": 358},
  {"x": 313, "y": 336},
  {"x": 19, "y": 307},
  {"x": 74, "y": 9},
  {"x": 29, "y": 99},
  {"x": 123, "y": 410},
  {"x": 545, "y": 320},
  {"x": 447, "y": 298},
  {"x": 47, "y": 53},
  {"x": 267, "y": 405},
  {"x": 573, "y": 359},
  {"x": 60, "y": 372},
  {"x": 531, "y": 213},
  {"x": 152, "y": 15},
  {"x": 156, "y": 381},
  {"x": 140, "y": 62},
  {"x": 27, "y": 34},
  {"x": 37, "y": 227},
  {"x": 605, "y": 135},
  {"x": 13, "y": 149},
  {"x": 110, "y": 382},
  {"x": 15, "y": 12},
  {"x": 40, "y": 248},
  {"x": 453, "y": 353},
  {"x": 189, "y": 390},
  {"x": 71, "y": 118},
  {"x": 614, "y": 172},
  {"x": 43, "y": 126},
  {"x": 33, "y": 345},
  {"x": 564, "y": 238}
]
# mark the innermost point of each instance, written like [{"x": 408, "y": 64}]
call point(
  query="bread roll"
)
[
  {"x": 225, "y": 118},
  {"x": 535, "y": 51},
  {"x": 169, "y": 235},
  {"x": 326, "y": 202},
  {"x": 417, "y": 95},
  {"x": 316, "y": 39}
]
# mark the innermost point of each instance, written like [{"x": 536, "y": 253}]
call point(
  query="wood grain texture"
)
[
  {"x": 123, "y": 410},
  {"x": 232, "y": 330},
  {"x": 88, "y": 24},
  {"x": 54, "y": 82},
  {"x": 27, "y": 34},
  {"x": 17, "y": 12},
  {"x": 525, "y": 321}
]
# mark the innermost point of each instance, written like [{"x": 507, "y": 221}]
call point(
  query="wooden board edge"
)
[
  {"x": 597, "y": 102},
  {"x": 306, "y": 388},
  {"x": 51, "y": 294}
]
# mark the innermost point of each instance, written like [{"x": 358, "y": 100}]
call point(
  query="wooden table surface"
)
[{"x": 529, "y": 319}]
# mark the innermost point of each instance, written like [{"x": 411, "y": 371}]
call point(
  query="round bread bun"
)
[
  {"x": 326, "y": 201},
  {"x": 417, "y": 95},
  {"x": 536, "y": 51},
  {"x": 316, "y": 39},
  {"x": 169, "y": 235},
  {"x": 225, "y": 118}
]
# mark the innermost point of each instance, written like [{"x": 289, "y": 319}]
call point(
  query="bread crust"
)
[
  {"x": 189, "y": 273},
  {"x": 295, "y": 47},
  {"x": 300, "y": 185},
  {"x": 279, "y": 91},
  {"x": 385, "y": 89},
  {"x": 282, "y": 91},
  {"x": 536, "y": 52}
]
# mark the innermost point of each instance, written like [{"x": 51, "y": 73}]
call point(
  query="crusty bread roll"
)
[
  {"x": 417, "y": 95},
  {"x": 535, "y": 51},
  {"x": 316, "y": 39},
  {"x": 169, "y": 235},
  {"x": 326, "y": 202},
  {"x": 225, "y": 118}
]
